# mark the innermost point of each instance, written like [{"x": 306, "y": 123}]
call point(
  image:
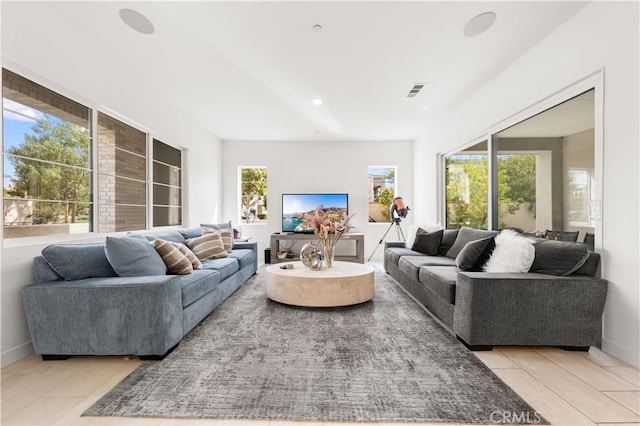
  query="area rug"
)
[{"x": 383, "y": 360}]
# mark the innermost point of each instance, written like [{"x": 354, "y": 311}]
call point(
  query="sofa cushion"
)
[
  {"x": 209, "y": 246},
  {"x": 558, "y": 257},
  {"x": 590, "y": 266},
  {"x": 413, "y": 231},
  {"x": 226, "y": 266},
  {"x": 448, "y": 238},
  {"x": 513, "y": 253},
  {"x": 245, "y": 257},
  {"x": 177, "y": 263},
  {"x": 197, "y": 284},
  {"x": 466, "y": 235},
  {"x": 43, "y": 271},
  {"x": 393, "y": 254},
  {"x": 225, "y": 234},
  {"x": 441, "y": 280},
  {"x": 411, "y": 264},
  {"x": 427, "y": 242},
  {"x": 173, "y": 236},
  {"x": 133, "y": 256},
  {"x": 78, "y": 261},
  {"x": 191, "y": 232},
  {"x": 475, "y": 254}
]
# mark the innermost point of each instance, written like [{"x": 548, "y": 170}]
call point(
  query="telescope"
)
[{"x": 398, "y": 209}]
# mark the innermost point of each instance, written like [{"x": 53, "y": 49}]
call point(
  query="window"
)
[
  {"x": 466, "y": 188},
  {"x": 382, "y": 190},
  {"x": 167, "y": 185},
  {"x": 122, "y": 176},
  {"x": 47, "y": 161},
  {"x": 253, "y": 198}
]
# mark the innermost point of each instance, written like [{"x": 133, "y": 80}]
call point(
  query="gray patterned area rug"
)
[{"x": 383, "y": 360}]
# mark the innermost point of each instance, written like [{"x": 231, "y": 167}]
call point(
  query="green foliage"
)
[
  {"x": 467, "y": 188},
  {"x": 385, "y": 198},
  {"x": 254, "y": 188},
  {"x": 65, "y": 145}
]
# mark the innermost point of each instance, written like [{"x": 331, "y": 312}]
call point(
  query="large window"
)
[
  {"x": 47, "y": 161},
  {"x": 382, "y": 190},
  {"x": 122, "y": 176},
  {"x": 466, "y": 188},
  {"x": 253, "y": 196},
  {"x": 49, "y": 181},
  {"x": 543, "y": 174},
  {"x": 167, "y": 185}
]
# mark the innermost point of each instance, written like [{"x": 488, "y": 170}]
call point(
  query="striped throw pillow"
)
[
  {"x": 177, "y": 263},
  {"x": 195, "y": 262},
  {"x": 209, "y": 246},
  {"x": 226, "y": 234}
]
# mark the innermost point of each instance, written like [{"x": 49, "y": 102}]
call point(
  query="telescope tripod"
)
[{"x": 396, "y": 221}]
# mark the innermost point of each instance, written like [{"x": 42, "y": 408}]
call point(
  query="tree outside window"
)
[
  {"x": 253, "y": 199},
  {"x": 382, "y": 189}
]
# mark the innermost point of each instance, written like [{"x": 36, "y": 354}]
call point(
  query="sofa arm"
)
[
  {"x": 105, "y": 316},
  {"x": 388, "y": 244},
  {"x": 528, "y": 309},
  {"x": 246, "y": 245}
]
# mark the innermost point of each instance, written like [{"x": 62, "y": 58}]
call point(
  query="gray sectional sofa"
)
[
  {"x": 79, "y": 305},
  {"x": 554, "y": 304}
]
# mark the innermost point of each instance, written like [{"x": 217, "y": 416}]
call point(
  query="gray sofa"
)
[
  {"x": 484, "y": 309},
  {"x": 90, "y": 310}
]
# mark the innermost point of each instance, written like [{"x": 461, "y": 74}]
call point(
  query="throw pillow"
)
[
  {"x": 218, "y": 226},
  {"x": 513, "y": 253},
  {"x": 209, "y": 246},
  {"x": 191, "y": 232},
  {"x": 78, "y": 261},
  {"x": 474, "y": 254},
  {"x": 448, "y": 238},
  {"x": 133, "y": 256},
  {"x": 466, "y": 235},
  {"x": 427, "y": 242},
  {"x": 195, "y": 262},
  {"x": 413, "y": 231},
  {"x": 177, "y": 263},
  {"x": 558, "y": 257},
  {"x": 226, "y": 234}
]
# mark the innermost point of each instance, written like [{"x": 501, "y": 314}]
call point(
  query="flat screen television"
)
[{"x": 294, "y": 206}]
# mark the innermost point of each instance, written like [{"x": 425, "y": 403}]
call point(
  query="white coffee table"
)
[{"x": 346, "y": 283}]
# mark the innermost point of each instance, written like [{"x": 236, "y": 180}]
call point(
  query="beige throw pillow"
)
[
  {"x": 177, "y": 263},
  {"x": 226, "y": 234},
  {"x": 209, "y": 246},
  {"x": 195, "y": 262}
]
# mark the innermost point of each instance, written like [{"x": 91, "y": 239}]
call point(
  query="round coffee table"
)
[{"x": 346, "y": 283}]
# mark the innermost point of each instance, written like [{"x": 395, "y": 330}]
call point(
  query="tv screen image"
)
[{"x": 294, "y": 206}]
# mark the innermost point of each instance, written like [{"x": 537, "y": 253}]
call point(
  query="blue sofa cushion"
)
[
  {"x": 43, "y": 271},
  {"x": 78, "y": 261},
  {"x": 227, "y": 266},
  {"x": 197, "y": 284},
  {"x": 245, "y": 257},
  {"x": 191, "y": 232},
  {"x": 173, "y": 236},
  {"x": 134, "y": 256}
]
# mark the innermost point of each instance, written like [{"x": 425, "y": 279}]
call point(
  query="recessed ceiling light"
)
[
  {"x": 136, "y": 21},
  {"x": 317, "y": 101},
  {"x": 317, "y": 28},
  {"x": 479, "y": 24}
]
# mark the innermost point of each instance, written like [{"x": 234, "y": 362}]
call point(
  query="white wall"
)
[
  {"x": 316, "y": 167},
  {"x": 603, "y": 35}
]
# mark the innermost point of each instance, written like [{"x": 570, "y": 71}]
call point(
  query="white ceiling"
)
[{"x": 249, "y": 70}]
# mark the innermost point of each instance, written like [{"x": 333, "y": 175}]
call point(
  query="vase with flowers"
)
[{"x": 329, "y": 228}]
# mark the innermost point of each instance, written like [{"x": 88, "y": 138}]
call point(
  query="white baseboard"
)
[
  {"x": 16, "y": 354},
  {"x": 627, "y": 355}
]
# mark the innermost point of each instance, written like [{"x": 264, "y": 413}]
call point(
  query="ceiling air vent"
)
[{"x": 415, "y": 90}]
